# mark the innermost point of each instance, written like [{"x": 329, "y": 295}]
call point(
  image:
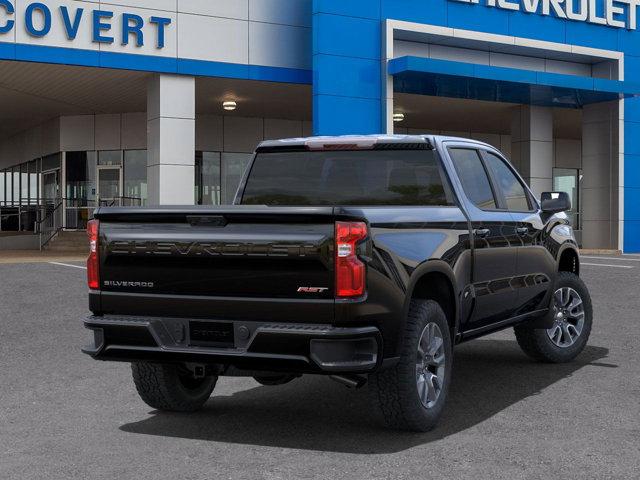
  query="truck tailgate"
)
[{"x": 186, "y": 256}]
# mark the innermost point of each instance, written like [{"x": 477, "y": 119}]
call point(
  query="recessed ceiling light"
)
[
  {"x": 398, "y": 117},
  {"x": 229, "y": 105}
]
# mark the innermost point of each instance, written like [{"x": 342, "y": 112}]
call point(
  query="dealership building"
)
[{"x": 153, "y": 102}]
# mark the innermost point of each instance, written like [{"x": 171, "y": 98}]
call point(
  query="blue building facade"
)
[
  {"x": 553, "y": 83},
  {"x": 356, "y": 72}
]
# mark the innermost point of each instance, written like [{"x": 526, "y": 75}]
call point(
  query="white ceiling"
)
[
  {"x": 32, "y": 93},
  {"x": 255, "y": 99},
  {"x": 476, "y": 116}
]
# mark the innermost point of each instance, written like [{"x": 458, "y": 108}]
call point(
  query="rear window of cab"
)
[{"x": 352, "y": 177}]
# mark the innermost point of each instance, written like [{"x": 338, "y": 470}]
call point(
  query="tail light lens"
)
[
  {"x": 93, "y": 262},
  {"x": 350, "y": 271}
]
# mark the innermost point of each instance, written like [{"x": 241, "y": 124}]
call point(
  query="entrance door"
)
[
  {"x": 109, "y": 186},
  {"x": 568, "y": 180}
]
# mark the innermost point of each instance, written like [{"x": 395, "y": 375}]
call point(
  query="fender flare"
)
[
  {"x": 432, "y": 266},
  {"x": 547, "y": 320},
  {"x": 568, "y": 245}
]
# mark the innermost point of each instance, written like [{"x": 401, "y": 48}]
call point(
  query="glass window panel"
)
[
  {"x": 197, "y": 188},
  {"x": 233, "y": 167},
  {"x": 208, "y": 182},
  {"x": 110, "y": 157},
  {"x": 92, "y": 185},
  {"x": 24, "y": 183},
  {"x": 50, "y": 185},
  {"x": 385, "y": 177},
  {"x": 51, "y": 162},
  {"x": 80, "y": 177},
  {"x": 33, "y": 181},
  {"x": 2, "y": 188},
  {"x": 473, "y": 177},
  {"x": 514, "y": 192},
  {"x": 567, "y": 180},
  {"x": 8, "y": 186},
  {"x": 16, "y": 186},
  {"x": 135, "y": 177},
  {"x": 109, "y": 183}
]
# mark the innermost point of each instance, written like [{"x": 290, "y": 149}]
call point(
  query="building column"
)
[
  {"x": 346, "y": 68},
  {"x": 532, "y": 146},
  {"x": 599, "y": 170},
  {"x": 171, "y": 131}
]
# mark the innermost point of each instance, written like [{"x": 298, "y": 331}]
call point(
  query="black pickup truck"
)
[{"x": 362, "y": 258}]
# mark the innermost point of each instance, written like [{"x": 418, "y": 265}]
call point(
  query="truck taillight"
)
[
  {"x": 350, "y": 271},
  {"x": 93, "y": 262}
]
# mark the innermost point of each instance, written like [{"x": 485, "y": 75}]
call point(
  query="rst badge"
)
[{"x": 312, "y": 289}]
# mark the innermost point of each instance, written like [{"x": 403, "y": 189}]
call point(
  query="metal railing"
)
[
  {"x": 19, "y": 214},
  {"x": 46, "y": 217},
  {"x": 78, "y": 211},
  {"x": 49, "y": 222},
  {"x": 121, "y": 202},
  {"x": 7, "y": 213}
]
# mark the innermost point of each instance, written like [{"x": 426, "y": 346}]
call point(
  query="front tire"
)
[
  {"x": 412, "y": 394},
  {"x": 573, "y": 317},
  {"x": 171, "y": 387}
]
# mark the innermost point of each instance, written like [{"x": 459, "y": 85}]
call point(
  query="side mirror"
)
[{"x": 554, "y": 202}]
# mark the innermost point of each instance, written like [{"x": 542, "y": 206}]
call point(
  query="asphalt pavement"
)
[{"x": 65, "y": 416}]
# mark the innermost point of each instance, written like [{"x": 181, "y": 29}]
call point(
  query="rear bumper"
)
[{"x": 301, "y": 348}]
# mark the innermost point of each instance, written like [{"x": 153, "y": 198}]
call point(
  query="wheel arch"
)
[
  {"x": 569, "y": 259},
  {"x": 435, "y": 280}
]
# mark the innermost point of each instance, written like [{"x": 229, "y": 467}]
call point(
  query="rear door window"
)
[
  {"x": 473, "y": 177},
  {"x": 355, "y": 177}
]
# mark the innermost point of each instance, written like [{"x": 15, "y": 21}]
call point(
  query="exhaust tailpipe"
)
[{"x": 350, "y": 381}]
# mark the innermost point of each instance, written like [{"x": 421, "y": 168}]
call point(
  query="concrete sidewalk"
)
[{"x": 35, "y": 256}]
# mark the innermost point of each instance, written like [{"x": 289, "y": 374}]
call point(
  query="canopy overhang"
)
[{"x": 445, "y": 78}]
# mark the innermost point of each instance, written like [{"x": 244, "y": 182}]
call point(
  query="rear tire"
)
[
  {"x": 171, "y": 387},
  {"x": 412, "y": 394},
  {"x": 573, "y": 318}
]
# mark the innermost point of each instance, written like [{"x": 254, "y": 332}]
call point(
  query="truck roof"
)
[{"x": 359, "y": 141}]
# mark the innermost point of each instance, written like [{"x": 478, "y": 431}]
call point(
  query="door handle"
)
[
  {"x": 482, "y": 232},
  {"x": 522, "y": 231}
]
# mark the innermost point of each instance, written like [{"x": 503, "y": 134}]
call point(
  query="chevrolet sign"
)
[{"x": 613, "y": 13}]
